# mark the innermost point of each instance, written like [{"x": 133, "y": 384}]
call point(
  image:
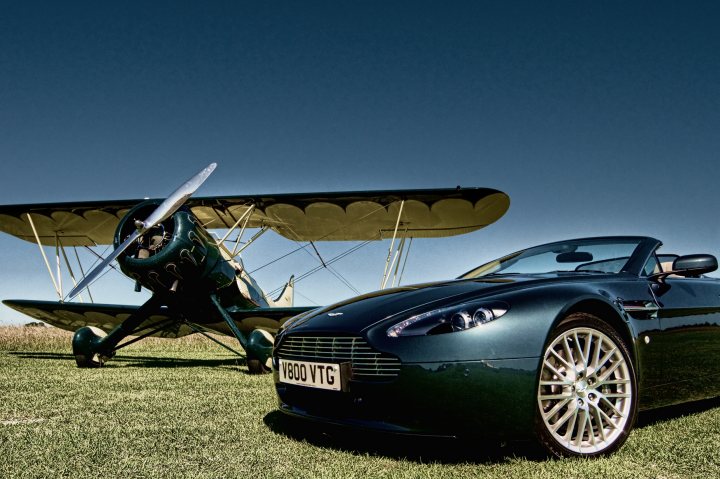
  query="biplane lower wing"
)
[{"x": 72, "y": 316}]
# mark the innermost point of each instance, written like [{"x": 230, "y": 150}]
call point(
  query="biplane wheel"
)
[
  {"x": 85, "y": 342},
  {"x": 259, "y": 346},
  {"x": 255, "y": 366}
]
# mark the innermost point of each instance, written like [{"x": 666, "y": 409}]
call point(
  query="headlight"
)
[{"x": 446, "y": 320}]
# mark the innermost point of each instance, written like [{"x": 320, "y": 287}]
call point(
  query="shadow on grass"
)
[
  {"x": 444, "y": 450},
  {"x": 413, "y": 448},
  {"x": 140, "y": 361},
  {"x": 654, "y": 416}
]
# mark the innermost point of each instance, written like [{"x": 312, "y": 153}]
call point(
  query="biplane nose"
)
[
  {"x": 175, "y": 255},
  {"x": 150, "y": 226}
]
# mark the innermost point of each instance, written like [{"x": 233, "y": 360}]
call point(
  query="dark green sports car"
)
[{"x": 564, "y": 342}]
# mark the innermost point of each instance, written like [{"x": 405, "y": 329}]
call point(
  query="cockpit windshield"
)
[{"x": 597, "y": 255}]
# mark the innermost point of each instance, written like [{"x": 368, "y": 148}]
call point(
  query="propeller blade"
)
[
  {"x": 177, "y": 198},
  {"x": 161, "y": 213},
  {"x": 99, "y": 269}
]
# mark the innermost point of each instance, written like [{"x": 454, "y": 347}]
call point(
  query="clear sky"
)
[{"x": 595, "y": 117}]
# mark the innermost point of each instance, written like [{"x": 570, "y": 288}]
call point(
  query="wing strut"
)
[
  {"x": 397, "y": 264},
  {"x": 82, "y": 272},
  {"x": 70, "y": 270},
  {"x": 388, "y": 264},
  {"x": 245, "y": 216},
  {"x": 397, "y": 279},
  {"x": 57, "y": 262},
  {"x": 254, "y": 237},
  {"x": 58, "y": 290},
  {"x": 56, "y": 278}
]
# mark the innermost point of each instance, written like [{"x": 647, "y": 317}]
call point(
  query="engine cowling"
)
[{"x": 178, "y": 254}]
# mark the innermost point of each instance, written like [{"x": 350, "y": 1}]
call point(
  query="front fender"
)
[{"x": 521, "y": 333}]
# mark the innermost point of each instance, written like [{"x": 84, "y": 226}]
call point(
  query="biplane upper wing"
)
[
  {"x": 71, "y": 316},
  {"x": 362, "y": 215}
]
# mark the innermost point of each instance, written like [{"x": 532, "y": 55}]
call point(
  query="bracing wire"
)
[
  {"x": 332, "y": 270},
  {"x": 318, "y": 239},
  {"x": 320, "y": 267}
]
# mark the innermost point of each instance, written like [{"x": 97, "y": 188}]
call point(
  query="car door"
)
[{"x": 689, "y": 339}]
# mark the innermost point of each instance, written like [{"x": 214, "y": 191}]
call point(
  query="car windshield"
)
[{"x": 605, "y": 255}]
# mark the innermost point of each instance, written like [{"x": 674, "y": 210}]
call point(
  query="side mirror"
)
[
  {"x": 694, "y": 264},
  {"x": 689, "y": 265}
]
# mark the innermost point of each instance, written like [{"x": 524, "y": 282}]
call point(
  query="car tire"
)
[{"x": 586, "y": 389}]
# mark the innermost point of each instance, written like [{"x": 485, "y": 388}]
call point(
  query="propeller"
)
[{"x": 161, "y": 213}]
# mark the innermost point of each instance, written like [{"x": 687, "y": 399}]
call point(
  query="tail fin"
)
[{"x": 287, "y": 296}]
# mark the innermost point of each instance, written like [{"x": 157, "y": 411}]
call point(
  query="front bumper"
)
[{"x": 493, "y": 398}]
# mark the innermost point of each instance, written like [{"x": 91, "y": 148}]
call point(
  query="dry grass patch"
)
[{"x": 49, "y": 338}]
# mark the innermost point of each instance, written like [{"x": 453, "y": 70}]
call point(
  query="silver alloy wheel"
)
[{"x": 585, "y": 392}]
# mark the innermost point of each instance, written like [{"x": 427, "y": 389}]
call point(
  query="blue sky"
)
[{"x": 595, "y": 117}]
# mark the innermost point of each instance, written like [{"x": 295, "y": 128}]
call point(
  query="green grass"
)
[{"x": 186, "y": 408}]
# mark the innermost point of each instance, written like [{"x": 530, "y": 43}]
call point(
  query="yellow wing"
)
[{"x": 339, "y": 216}]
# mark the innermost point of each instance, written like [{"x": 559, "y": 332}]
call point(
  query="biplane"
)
[{"x": 196, "y": 277}]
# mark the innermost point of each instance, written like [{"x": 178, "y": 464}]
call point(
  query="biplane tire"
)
[
  {"x": 85, "y": 342},
  {"x": 256, "y": 366},
  {"x": 259, "y": 346}
]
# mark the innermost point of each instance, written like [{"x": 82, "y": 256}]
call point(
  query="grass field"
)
[{"x": 186, "y": 408}]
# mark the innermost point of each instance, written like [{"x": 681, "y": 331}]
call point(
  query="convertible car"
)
[{"x": 564, "y": 342}]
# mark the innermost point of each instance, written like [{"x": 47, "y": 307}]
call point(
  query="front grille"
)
[{"x": 367, "y": 364}]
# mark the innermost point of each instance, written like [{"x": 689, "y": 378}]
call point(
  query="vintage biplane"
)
[{"x": 196, "y": 278}]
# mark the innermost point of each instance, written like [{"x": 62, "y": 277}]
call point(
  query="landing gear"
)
[
  {"x": 258, "y": 345},
  {"x": 259, "y": 352},
  {"x": 92, "y": 347},
  {"x": 85, "y": 346},
  {"x": 256, "y": 366}
]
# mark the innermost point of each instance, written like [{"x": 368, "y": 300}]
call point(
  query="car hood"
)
[{"x": 361, "y": 312}]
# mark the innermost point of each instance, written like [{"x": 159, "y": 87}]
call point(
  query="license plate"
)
[{"x": 314, "y": 375}]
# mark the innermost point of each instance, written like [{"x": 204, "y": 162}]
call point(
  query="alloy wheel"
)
[{"x": 585, "y": 393}]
